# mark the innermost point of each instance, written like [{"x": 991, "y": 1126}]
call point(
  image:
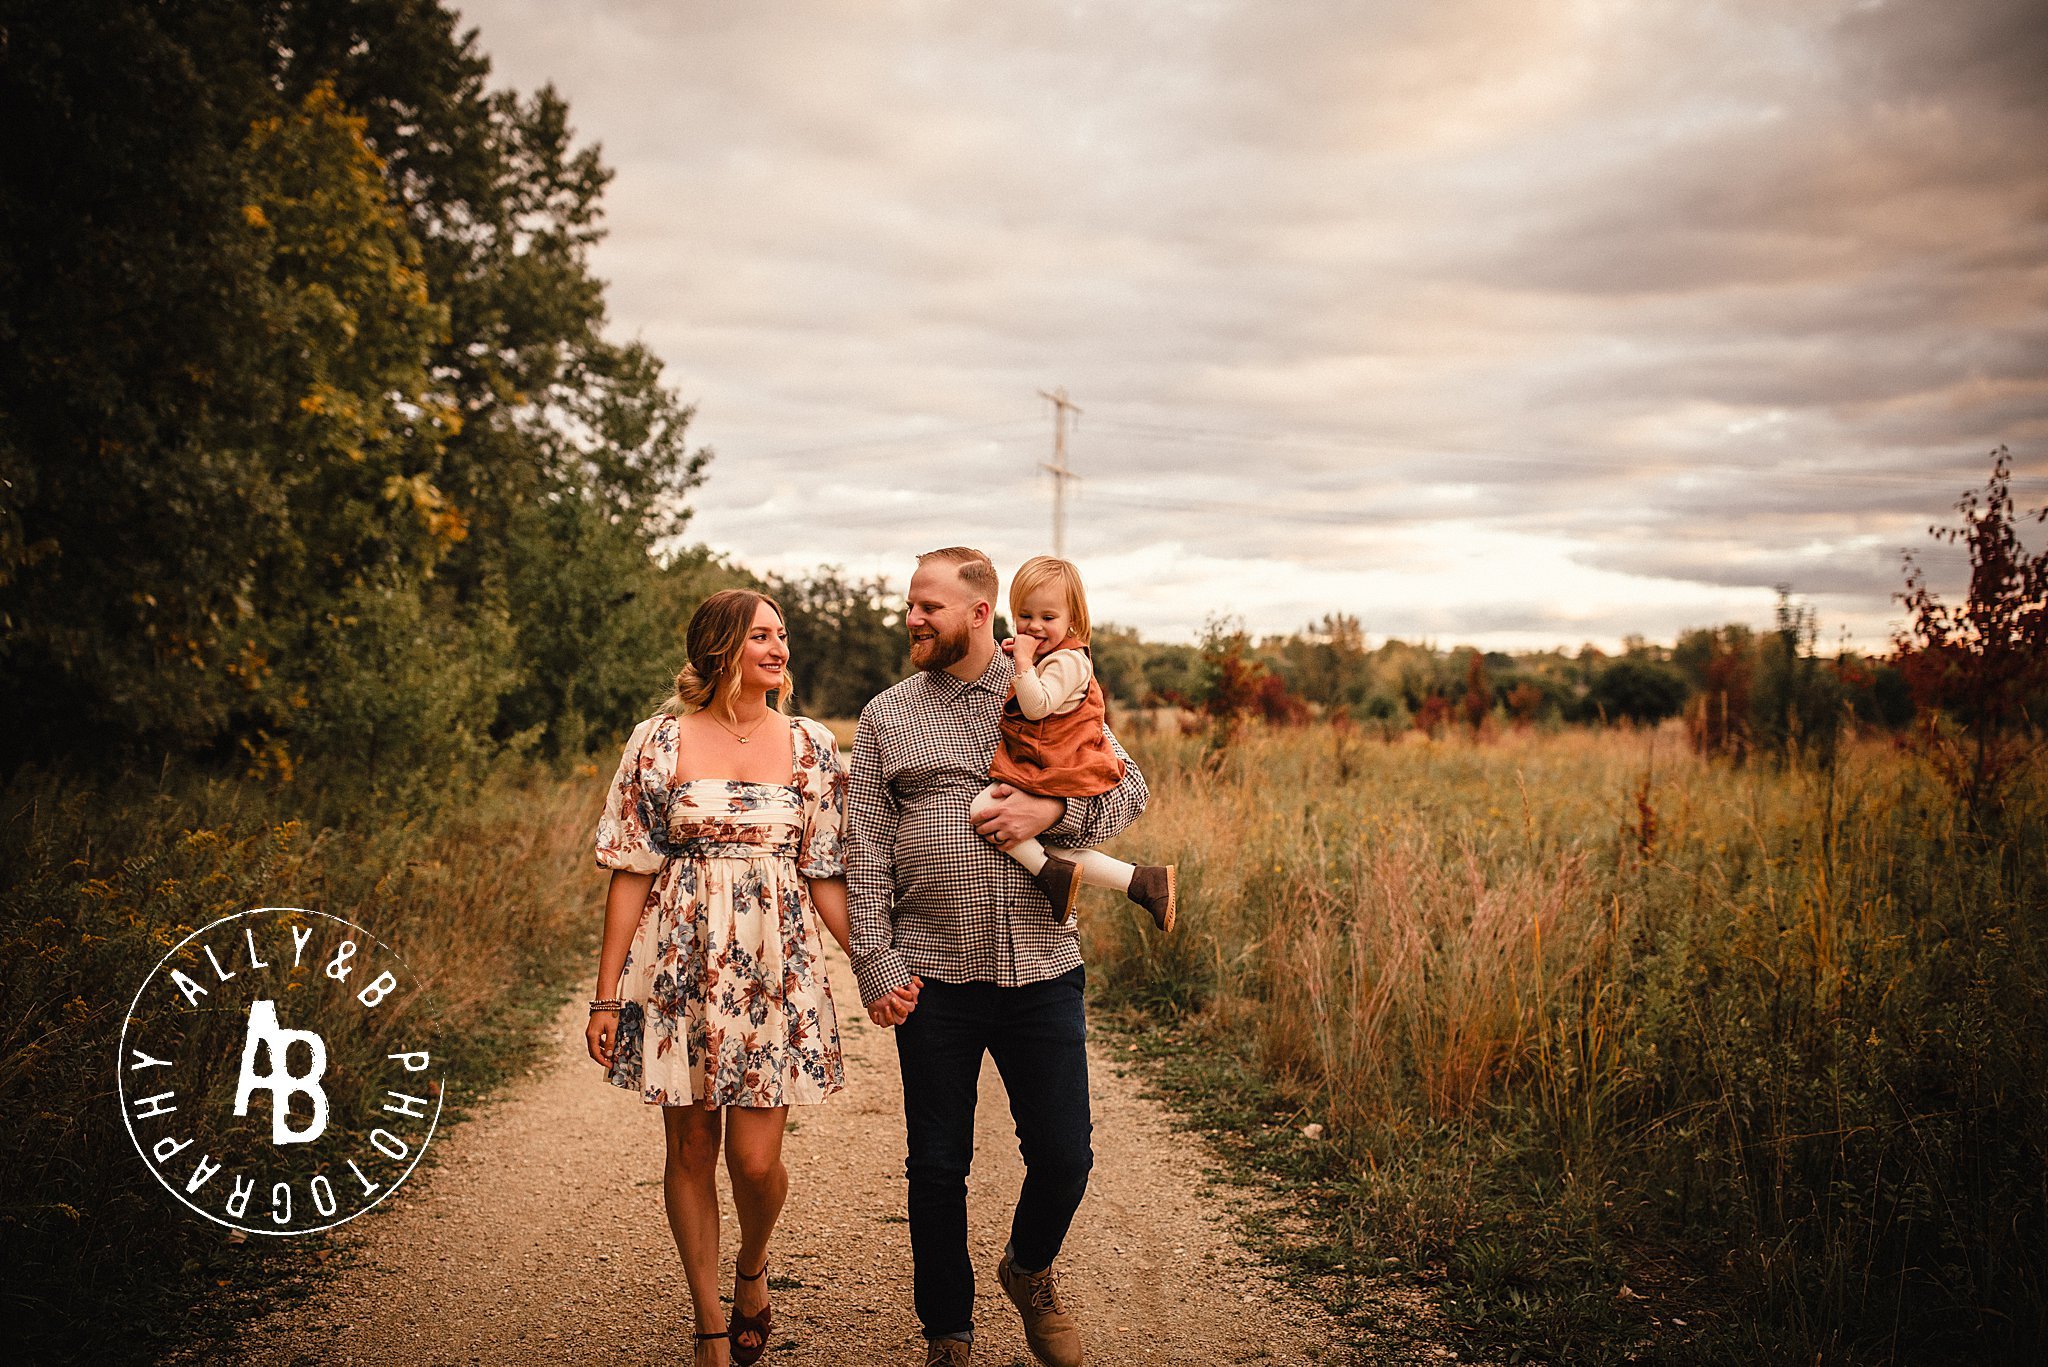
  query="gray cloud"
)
[{"x": 1631, "y": 309}]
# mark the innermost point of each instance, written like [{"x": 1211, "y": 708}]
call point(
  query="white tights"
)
[{"x": 1098, "y": 870}]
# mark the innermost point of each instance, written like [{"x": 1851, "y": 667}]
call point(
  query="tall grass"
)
[
  {"x": 485, "y": 891},
  {"x": 1580, "y": 1011}
]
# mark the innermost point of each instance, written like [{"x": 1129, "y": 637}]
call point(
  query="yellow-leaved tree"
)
[{"x": 352, "y": 647}]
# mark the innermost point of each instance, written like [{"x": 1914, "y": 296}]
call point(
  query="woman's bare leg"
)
[
  {"x": 690, "y": 1192},
  {"x": 760, "y": 1184}
]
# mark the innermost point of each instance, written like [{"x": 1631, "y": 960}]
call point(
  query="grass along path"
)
[{"x": 538, "y": 1237}]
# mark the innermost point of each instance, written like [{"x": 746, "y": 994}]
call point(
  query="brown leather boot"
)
[
  {"x": 1152, "y": 887},
  {"x": 1060, "y": 881},
  {"x": 1049, "y": 1328},
  {"x": 948, "y": 1353}
]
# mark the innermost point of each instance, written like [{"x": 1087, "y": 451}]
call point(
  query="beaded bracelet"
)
[{"x": 613, "y": 1005}]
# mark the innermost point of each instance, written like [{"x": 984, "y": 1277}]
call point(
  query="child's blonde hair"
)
[{"x": 1041, "y": 570}]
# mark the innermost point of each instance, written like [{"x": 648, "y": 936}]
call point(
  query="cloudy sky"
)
[{"x": 1514, "y": 322}]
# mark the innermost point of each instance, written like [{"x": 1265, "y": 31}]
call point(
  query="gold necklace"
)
[{"x": 734, "y": 734}]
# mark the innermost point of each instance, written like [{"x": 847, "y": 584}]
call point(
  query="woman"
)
[{"x": 722, "y": 829}]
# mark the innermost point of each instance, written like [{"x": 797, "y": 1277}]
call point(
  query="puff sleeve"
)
[
  {"x": 823, "y": 852},
  {"x": 632, "y": 831}
]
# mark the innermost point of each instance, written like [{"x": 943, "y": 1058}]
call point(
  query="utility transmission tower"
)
[{"x": 1060, "y": 473}]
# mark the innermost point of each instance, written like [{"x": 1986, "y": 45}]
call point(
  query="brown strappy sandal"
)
[
  {"x": 756, "y": 1325},
  {"x": 721, "y": 1334}
]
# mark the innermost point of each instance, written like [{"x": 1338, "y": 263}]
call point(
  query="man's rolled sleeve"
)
[
  {"x": 871, "y": 818},
  {"x": 1092, "y": 820},
  {"x": 880, "y": 973}
]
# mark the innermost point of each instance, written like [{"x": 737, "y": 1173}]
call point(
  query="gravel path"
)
[{"x": 539, "y": 1238}]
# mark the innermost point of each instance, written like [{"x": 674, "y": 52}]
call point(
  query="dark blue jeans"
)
[{"x": 1037, "y": 1035}]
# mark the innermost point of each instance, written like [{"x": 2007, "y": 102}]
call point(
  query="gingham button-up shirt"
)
[{"x": 926, "y": 895}]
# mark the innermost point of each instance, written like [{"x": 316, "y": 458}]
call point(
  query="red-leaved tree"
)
[
  {"x": 1523, "y": 700},
  {"x": 1477, "y": 703},
  {"x": 1979, "y": 672},
  {"x": 1231, "y": 684},
  {"x": 1277, "y": 705}
]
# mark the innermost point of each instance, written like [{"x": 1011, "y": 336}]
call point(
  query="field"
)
[
  {"x": 488, "y": 894},
  {"x": 1623, "y": 1052},
  {"x": 1629, "y": 1052}
]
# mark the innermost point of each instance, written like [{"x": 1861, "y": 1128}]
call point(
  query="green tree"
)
[
  {"x": 354, "y": 519},
  {"x": 409, "y": 688},
  {"x": 297, "y": 310},
  {"x": 1174, "y": 675},
  {"x": 1407, "y": 673},
  {"x": 1634, "y": 690},
  {"x": 1325, "y": 663},
  {"x": 132, "y": 353},
  {"x": 507, "y": 208},
  {"x": 1796, "y": 710}
]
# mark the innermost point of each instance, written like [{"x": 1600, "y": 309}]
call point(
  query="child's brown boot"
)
[
  {"x": 1060, "y": 881},
  {"x": 1152, "y": 887}
]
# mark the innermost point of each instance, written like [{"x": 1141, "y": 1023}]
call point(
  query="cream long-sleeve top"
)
[{"x": 1055, "y": 685}]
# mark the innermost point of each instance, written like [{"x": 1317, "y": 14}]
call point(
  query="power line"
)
[
  {"x": 886, "y": 438},
  {"x": 1321, "y": 511}
]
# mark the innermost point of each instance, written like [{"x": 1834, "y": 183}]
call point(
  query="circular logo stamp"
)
[{"x": 277, "y": 1073}]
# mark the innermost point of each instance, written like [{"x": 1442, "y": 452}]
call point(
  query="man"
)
[{"x": 958, "y": 950}]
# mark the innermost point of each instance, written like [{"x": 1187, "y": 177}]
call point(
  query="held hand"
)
[
  {"x": 601, "y": 1036},
  {"x": 895, "y": 1007},
  {"x": 1014, "y": 815}
]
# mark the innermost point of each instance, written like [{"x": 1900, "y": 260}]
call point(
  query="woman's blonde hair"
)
[
  {"x": 1041, "y": 570},
  {"x": 718, "y": 628}
]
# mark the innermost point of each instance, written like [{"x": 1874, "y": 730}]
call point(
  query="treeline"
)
[
  {"x": 1738, "y": 688},
  {"x": 311, "y": 440}
]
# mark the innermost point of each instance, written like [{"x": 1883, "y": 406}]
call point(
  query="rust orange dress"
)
[{"x": 1062, "y": 754}]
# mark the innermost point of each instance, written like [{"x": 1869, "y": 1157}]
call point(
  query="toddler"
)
[{"x": 1053, "y": 743}]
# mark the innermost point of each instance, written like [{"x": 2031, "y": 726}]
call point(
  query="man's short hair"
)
[{"x": 975, "y": 569}]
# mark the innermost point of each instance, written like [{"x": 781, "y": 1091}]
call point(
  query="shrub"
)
[
  {"x": 1979, "y": 672},
  {"x": 1634, "y": 690},
  {"x": 1720, "y": 663},
  {"x": 1796, "y": 711}
]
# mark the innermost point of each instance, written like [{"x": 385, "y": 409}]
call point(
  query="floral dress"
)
[{"x": 724, "y": 984}]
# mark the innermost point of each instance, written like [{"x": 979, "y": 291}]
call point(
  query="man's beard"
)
[{"x": 941, "y": 651}]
